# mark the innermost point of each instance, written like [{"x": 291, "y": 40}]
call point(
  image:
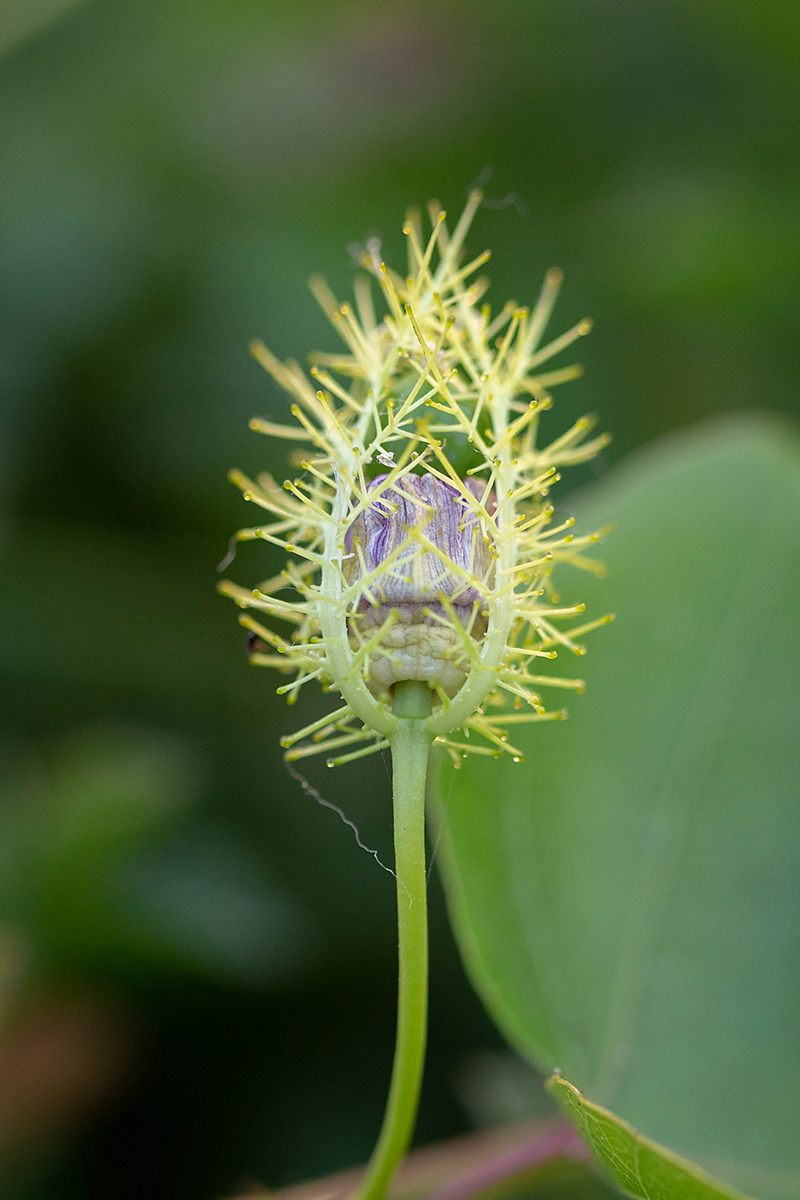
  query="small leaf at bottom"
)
[{"x": 639, "y": 1166}]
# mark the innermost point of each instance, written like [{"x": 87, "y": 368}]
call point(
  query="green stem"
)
[{"x": 410, "y": 746}]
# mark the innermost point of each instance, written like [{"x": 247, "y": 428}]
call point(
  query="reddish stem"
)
[{"x": 559, "y": 1141}]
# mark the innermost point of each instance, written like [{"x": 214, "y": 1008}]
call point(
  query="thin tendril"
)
[{"x": 311, "y": 791}]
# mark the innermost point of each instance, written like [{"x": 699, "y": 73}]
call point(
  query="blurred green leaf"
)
[
  {"x": 641, "y": 1167},
  {"x": 20, "y": 19},
  {"x": 102, "y": 860},
  {"x": 203, "y": 903},
  {"x": 626, "y": 900}
]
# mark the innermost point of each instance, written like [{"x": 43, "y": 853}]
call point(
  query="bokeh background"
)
[{"x": 196, "y": 960}]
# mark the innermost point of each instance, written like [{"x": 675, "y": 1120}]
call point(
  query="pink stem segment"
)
[{"x": 559, "y": 1141}]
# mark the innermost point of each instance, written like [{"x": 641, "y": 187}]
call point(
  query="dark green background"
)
[{"x": 172, "y": 173}]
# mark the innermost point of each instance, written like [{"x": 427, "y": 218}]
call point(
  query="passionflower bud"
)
[
  {"x": 427, "y": 589},
  {"x": 424, "y": 572}
]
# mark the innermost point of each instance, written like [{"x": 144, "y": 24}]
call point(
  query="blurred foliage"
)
[
  {"x": 100, "y": 869},
  {"x": 172, "y": 174},
  {"x": 627, "y": 903},
  {"x": 21, "y": 19},
  {"x": 103, "y": 880}
]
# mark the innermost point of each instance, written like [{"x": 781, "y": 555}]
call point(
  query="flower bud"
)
[
  {"x": 436, "y": 593},
  {"x": 420, "y": 575}
]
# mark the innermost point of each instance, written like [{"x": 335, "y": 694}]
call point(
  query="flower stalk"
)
[{"x": 410, "y": 744}]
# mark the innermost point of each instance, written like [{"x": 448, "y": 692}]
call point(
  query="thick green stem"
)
[{"x": 410, "y": 746}]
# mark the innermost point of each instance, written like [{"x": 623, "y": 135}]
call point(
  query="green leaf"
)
[
  {"x": 627, "y": 899},
  {"x": 19, "y": 20},
  {"x": 640, "y": 1166}
]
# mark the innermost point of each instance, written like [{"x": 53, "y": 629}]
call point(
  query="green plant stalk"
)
[{"x": 410, "y": 747}]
